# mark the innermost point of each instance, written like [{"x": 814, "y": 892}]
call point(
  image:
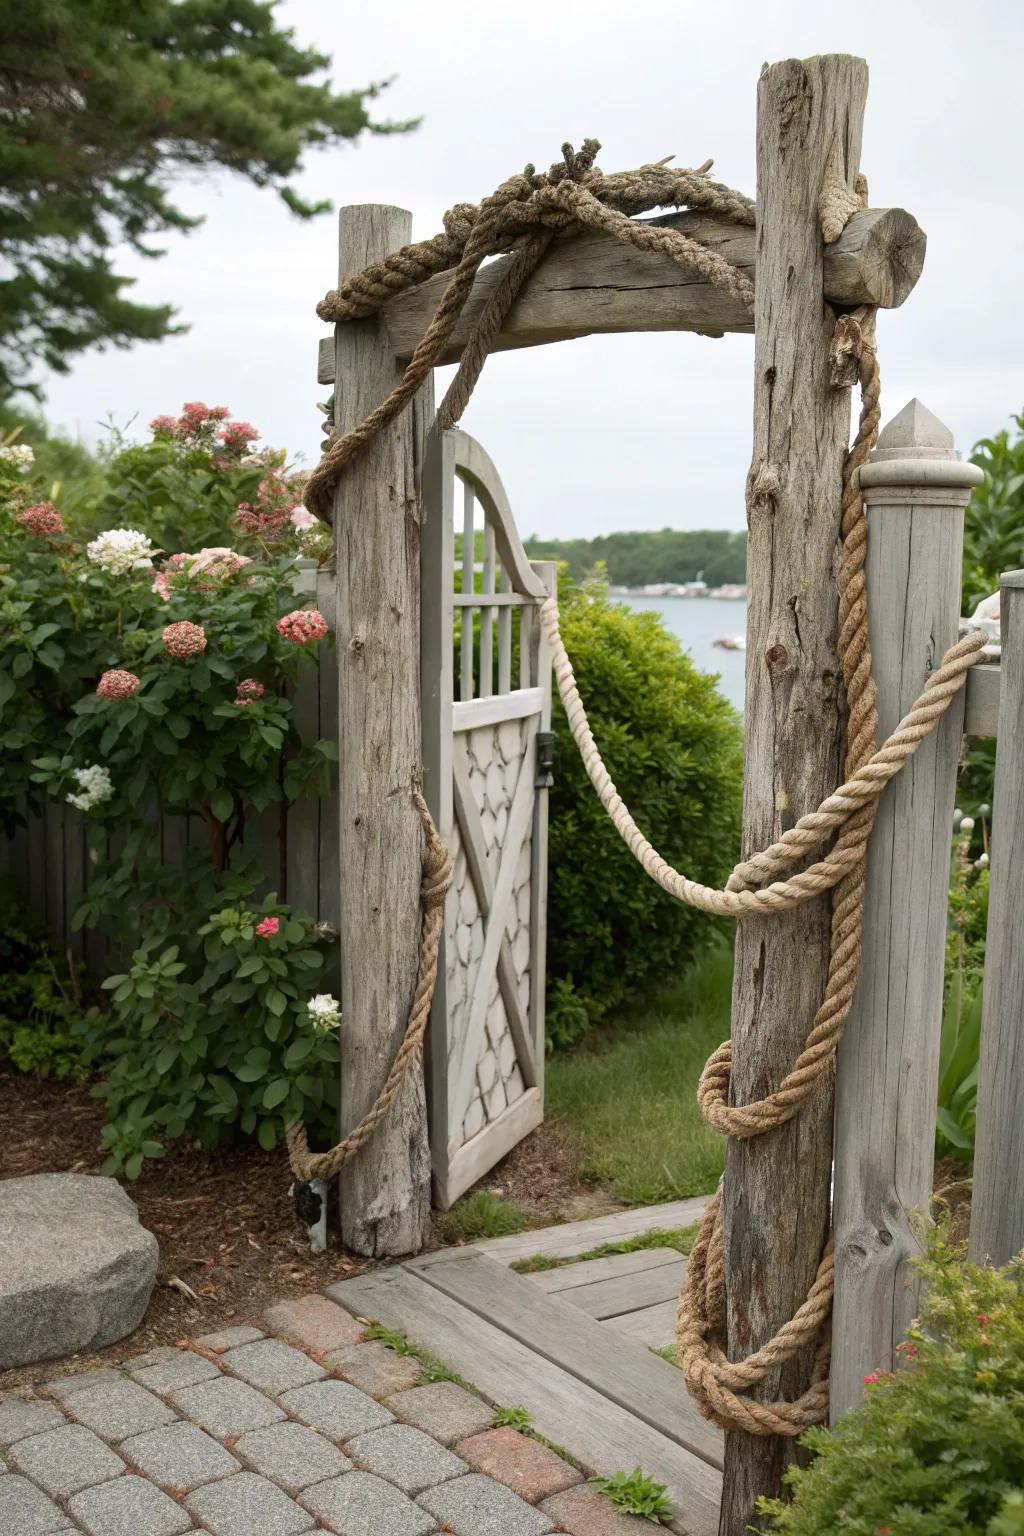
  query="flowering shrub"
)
[
  {"x": 213, "y": 1035},
  {"x": 123, "y": 662},
  {"x": 937, "y": 1449}
]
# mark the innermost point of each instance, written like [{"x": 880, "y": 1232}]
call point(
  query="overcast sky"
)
[{"x": 609, "y": 432}]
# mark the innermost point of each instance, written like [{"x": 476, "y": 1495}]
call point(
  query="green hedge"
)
[{"x": 673, "y": 746}]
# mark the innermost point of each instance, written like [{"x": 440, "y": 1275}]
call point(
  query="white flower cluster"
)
[
  {"x": 120, "y": 550},
  {"x": 325, "y": 1011},
  {"x": 95, "y": 785},
  {"x": 18, "y": 454}
]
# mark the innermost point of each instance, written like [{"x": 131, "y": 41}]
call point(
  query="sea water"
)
[{"x": 697, "y": 622}]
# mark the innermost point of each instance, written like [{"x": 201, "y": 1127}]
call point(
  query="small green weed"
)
[
  {"x": 432, "y": 1369},
  {"x": 514, "y": 1418},
  {"x": 680, "y": 1238},
  {"x": 669, "y": 1352},
  {"x": 481, "y": 1215},
  {"x": 636, "y": 1493}
]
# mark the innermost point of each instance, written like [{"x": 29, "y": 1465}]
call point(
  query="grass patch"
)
[
  {"x": 636, "y": 1493},
  {"x": 680, "y": 1238},
  {"x": 481, "y": 1215},
  {"x": 628, "y": 1101},
  {"x": 432, "y": 1369}
]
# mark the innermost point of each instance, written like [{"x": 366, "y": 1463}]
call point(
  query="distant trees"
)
[{"x": 713, "y": 555}]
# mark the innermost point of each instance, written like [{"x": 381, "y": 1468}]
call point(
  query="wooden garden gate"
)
[{"x": 487, "y": 769}]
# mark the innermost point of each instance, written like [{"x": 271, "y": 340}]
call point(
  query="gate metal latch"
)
[{"x": 545, "y": 760}]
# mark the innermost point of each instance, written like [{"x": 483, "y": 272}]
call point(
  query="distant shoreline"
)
[{"x": 729, "y": 593}]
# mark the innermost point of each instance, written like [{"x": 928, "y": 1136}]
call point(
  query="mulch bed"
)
[{"x": 230, "y": 1243}]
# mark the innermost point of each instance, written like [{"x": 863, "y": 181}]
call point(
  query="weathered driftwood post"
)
[
  {"x": 777, "y": 1186},
  {"x": 915, "y": 490},
  {"x": 385, "y": 1189},
  {"x": 997, "y": 1216}
]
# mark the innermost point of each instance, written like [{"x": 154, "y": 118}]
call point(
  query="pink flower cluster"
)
[
  {"x": 301, "y": 625},
  {"x": 205, "y": 567},
  {"x": 42, "y": 521},
  {"x": 117, "y": 684},
  {"x": 248, "y": 690},
  {"x": 184, "y": 639},
  {"x": 268, "y": 927},
  {"x": 200, "y": 424},
  {"x": 277, "y": 497}
]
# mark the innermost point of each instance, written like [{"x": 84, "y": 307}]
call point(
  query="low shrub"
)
[
  {"x": 938, "y": 1448},
  {"x": 40, "y": 1002},
  {"x": 221, "y": 1033},
  {"x": 673, "y": 746}
]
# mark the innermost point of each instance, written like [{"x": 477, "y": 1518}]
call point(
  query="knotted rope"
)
[
  {"x": 523, "y": 217},
  {"x": 437, "y": 877}
]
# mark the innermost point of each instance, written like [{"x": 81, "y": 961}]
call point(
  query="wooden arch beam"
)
[{"x": 593, "y": 284}]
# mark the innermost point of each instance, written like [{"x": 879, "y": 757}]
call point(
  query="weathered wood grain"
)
[
  {"x": 888, "y": 1065},
  {"x": 385, "y": 1188},
  {"x": 595, "y": 285},
  {"x": 619, "y": 1292},
  {"x": 647, "y": 1387},
  {"x": 997, "y": 1216},
  {"x": 571, "y": 1238},
  {"x": 776, "y": 1199},
  {"x": 981, "y": 711},
  {"x": 569, "y": 1277},
  {"x": 603, "y": 1436}
]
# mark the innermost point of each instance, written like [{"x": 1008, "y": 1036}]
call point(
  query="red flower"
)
[
  {"x": 268, "y": 927},
  {"x": 118, "y": 684},
  {"x": 301, "y": 625},
  {"x": 184, "y": 639},
  {"x": 42, "y": 521}
]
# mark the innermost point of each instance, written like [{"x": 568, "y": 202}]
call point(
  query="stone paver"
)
[
  {"x": 443, "y": 1409},
  {"x": 66, "y": 1386},
  {"x": 26, "y": 1511},
  {"x": 227, "y": 1407},
  {"x": 179, "y": 1457},
  {"x": 272, "y": 1366},
  {"x": 291, "y": 1455},
  {"x": 227, "y": 1338},
  {"x": 162, "y": 1370},
  {"x": 129, "y": 1507},
  {"x": 247, "y": 1505},
  {"x": 360, "y": 1504},
  {"x": 478, "y": 1506},
  {"x": 65, "y": 1460},
  {"x": 117, "y": 1409},
  {"x": 582, "y": 1511},
  {"x": 336, "y": 1409},
  {"x": 314, "y": 1322},
  {"x": 20, "y": 1418},
  {"x": 406, "y": 1457},
  {"x": 528, "y": 1468},
  {"x": 374, "y": 1368}
]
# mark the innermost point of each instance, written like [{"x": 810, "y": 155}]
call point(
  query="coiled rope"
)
[{"x": 523, "y": 217}]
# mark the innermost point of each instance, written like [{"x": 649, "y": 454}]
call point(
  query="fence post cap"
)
[
  {"x": 1012, "y": 579},
  {"x": 916, "y": 449}
]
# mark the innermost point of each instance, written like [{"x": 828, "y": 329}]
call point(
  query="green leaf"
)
[
  {"x": 297, "y": 1052},
  {"x": 267, "y": 1135},
  {"x": 276, "y": 1092},
  {"x": 222, "y": 803},
  {"x": 276, "y": 1002}
]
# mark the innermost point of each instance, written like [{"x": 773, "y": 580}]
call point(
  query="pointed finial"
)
[{"x": 916, "y": 433}]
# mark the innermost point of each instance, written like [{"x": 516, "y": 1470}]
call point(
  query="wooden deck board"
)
[
  {"x": 553, "y": 1329},
  {"x": 629, "y": 1292},
  {"x": 654, "y": 1326},
  {"x": 576, "y": 1237},
  {"x": 602, "y": 1435},
  {"x": 589, "y": 1271}
]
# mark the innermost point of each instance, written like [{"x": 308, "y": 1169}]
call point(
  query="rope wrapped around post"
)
[
  {"x": 437, "y": 877},
  {"x": 523, "y": 216}
]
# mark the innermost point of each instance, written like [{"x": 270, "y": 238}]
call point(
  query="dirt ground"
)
[{"x": 230, "y": 1242}]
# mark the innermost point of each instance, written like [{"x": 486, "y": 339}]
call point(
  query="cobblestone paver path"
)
[{"x": 299, "y": 1426}]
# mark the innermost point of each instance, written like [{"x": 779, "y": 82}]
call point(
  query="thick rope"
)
[
  {"x": 522, "y": 216},
  {"x": 437, "y": 877}
]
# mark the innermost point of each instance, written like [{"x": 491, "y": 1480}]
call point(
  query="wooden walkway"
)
[{"x": 574, "y": 1345}]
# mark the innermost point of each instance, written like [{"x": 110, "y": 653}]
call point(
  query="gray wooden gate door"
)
[{"x": 485, "y": 782}]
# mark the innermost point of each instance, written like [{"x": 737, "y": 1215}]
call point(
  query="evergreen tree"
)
[{"x": 101, "y": 103}]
